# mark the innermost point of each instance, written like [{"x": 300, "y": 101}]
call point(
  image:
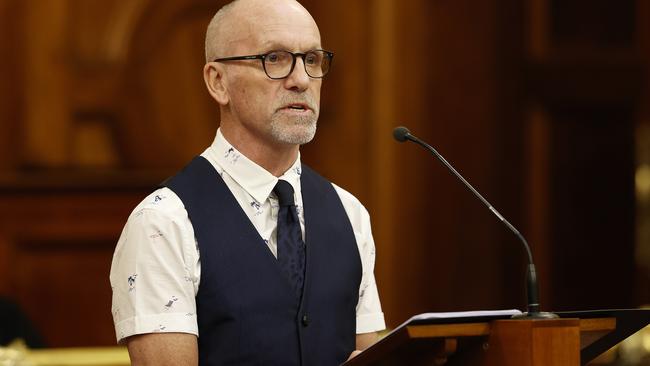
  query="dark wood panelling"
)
[
  {"x": 11, "y": 88},
  {"x": 528, "y": 99},
  {"x": 56, "y": 247},
  {"x": 163, "y": 103},
  {"x": 643, "y": 275},
  {"x": 584, "y": 80},
  {"x": 453, "y": 254},
  {"x": 340, "y": 150},
  {"x": 592, "y": 195},
  {"x": 62, "y": 286},
  {"x": 596, "y": 24}
]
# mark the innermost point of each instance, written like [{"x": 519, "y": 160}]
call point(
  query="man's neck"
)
[{"x": 274, "y": 158}]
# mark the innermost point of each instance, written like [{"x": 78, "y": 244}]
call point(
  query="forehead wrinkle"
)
[
  {"x": 282, "y": 38},
  {"x": 277, "y": 36},
  {"x": 279, "y": 46}
]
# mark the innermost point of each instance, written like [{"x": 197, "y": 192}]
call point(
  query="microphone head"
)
[{"x": 401, "y": 133}]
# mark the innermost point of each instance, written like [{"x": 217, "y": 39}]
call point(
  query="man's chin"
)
[{"x": 294, "y": 135}]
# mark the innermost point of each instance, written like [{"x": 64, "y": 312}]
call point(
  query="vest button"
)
[{"x": 305, "y": 320}]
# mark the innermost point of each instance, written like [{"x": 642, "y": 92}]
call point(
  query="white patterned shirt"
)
[{"x": 156, "y": 269}]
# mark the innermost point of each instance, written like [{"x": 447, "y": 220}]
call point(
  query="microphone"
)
[{"x": 402, "y": 134}]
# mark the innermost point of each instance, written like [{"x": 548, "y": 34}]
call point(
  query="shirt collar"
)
[{"x": 254, "y": 179}]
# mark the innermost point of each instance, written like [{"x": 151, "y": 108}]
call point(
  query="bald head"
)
[{"x": 237, "y": 23}]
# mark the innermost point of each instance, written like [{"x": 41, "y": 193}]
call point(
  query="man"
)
[{"x": 295, "y": 287}]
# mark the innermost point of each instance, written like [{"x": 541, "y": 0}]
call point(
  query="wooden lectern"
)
[{"x": 574, "y": 339}]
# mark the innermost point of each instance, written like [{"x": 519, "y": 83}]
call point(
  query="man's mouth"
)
[{"x": 297, "y": 107}]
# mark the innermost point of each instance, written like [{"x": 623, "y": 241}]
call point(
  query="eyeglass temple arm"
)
[{"x": 251, "y": 57}]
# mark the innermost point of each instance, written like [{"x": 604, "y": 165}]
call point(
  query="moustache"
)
[{"x": 304, "y": 100}]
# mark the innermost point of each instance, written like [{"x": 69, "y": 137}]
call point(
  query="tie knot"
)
[{"x": 284, "y": 191}]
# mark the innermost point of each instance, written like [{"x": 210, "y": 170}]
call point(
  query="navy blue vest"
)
[{"x": 246, "y": 309}]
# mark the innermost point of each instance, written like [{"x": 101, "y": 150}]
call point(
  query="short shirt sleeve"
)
[
  {"x": 153, "y": 270},
  {"x": 370, "y": 317}
]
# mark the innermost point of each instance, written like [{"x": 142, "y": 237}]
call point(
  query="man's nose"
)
[{"x": 298, "y": 78}]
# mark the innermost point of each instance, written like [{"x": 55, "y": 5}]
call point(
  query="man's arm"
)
[
  {"x": 364, "y": 341},
  {"x": 163, "y": 349}
]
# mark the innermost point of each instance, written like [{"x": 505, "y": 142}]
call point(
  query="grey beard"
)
[{"x": 298, "y": 133}]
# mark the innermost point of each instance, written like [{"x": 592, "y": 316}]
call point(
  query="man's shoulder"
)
[
  {"x": 161, "y": 202},
  {"x": 348, "y": 199}
]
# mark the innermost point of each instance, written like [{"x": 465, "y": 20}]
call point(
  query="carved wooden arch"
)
[
  {"x": 11, "y": 88},
  {"x": 163, "y": 125}
]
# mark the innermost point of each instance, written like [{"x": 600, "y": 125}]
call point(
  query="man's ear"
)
[{"x": 214, "y": 81}]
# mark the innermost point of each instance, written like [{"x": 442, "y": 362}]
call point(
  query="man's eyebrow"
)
[{"x": 276, "y": 46}]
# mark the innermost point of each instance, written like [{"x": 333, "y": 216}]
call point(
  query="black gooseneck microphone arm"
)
[{"x": 402, "y": 134}]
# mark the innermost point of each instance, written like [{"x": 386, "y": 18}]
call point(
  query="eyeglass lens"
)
[{"x": 278, "y": 64}]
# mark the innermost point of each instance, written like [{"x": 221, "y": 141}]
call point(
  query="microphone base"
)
[{"x": 535, "y": 315}]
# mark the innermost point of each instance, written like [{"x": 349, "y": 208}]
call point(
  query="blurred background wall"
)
[{"x": 542, "y": 104}]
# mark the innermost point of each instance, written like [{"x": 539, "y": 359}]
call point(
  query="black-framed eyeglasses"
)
[{"x": 280, "y": 64}]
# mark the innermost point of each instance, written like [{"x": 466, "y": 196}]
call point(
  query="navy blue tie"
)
[{"x": 291, "y": 248}]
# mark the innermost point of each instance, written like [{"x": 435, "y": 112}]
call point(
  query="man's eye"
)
[
  {"x": 272, "y": 57},
  {"x": 313, "y": 59}
]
